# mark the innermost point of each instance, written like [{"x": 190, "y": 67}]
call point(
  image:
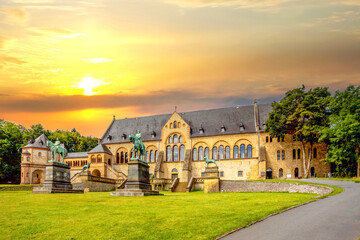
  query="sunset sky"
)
[{"x": 74, "y": 64}]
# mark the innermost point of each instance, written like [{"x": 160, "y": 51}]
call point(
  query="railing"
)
[
  {"x": 116, "y": 173},
  {"x": 190, "y": 184},
  {"x": 174, "y": 184},
  {"x": 122, "y": 183},
  {"x": 75, "y": 176}
]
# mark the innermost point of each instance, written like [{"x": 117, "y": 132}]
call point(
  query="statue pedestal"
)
[
  {"x": 212, "y": 180},
  {"x": 138, "y": 182},
  {"x": 57, "y": 179}
]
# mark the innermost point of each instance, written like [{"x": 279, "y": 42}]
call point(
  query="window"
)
[
  {"x": 221, "y": 174},
  {"x": 294, "y": 138},
  {"x": 152, "y": 156},
  {"x": 281, "y": 173},
  {"x": 270, "y": 139},
  {"x": 278, "y": 139},
  {"x": 267, "y": 139},
  {"x": 175, "y": 124},
  {"x": 39, "y": 154},
  {"x": 214, "y": 153},
  {"x": 182, "y": 153},
  {"x": 207, "y": 152},
  {"x": 175, "y": 138},
  {"x": 282, "y": 139},
  {"x": 242, "y": 151},
  {"x": 278, "y": 155},
  {"x": 202, "y": 174},
  {"x": 27, "y": 174},
  {"x": 122, "y": 160},
  {"x": 236, "y": 152},
  {"x": 170, "y": 140},
  {"x": 147, "y": 156},
  {"x": 294, "y": 154},
  {"x": 298, "y": 154},
  {"x": 168, "y": 154},
  {"x": 126, "y": 157},
  {"x": 93, "y": 159},
  {"x": 99, "y": 158},
  {"x": 201, "y": 153},
  {"x": 227, "y": 152},
  {"x": 180, "y": 139},
  {"x": 28, "y": 159},
  {"x": 117, "y": 158},
  {"x": 283, "y": 154},
  {"x": 156, "y": 155},
  {"x": 221, "y": 152},
  {"x": 315, "y": 153},
  {"x": 240, "y": 173},
  {"x": 249, "y": 151},
  {"x": 176, "y": 154},
  {"x": 195, "y": 154}
]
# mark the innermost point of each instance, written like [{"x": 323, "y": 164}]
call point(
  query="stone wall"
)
[
  {"x": 90, "y": 183},
  {"x": 258, "y": 186}
]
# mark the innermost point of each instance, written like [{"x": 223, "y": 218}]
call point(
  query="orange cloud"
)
[{"x": 5, "y": 59}]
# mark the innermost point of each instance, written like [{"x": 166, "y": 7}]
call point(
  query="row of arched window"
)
[
  {"x": 175, "y": 124},
  {"x": 122, "y": 157},
  {"x": 96, "y": 159},
  {"x": 175, "y": 153},
  {"x": 282, "y": 155},
  {"x": 175, "y": 139},
  {"x": 270, "y": 139},
  {"x": 77, "y": 163},
  {"x": 151, "y": 156},
  {"x": 223, "y": 153}
]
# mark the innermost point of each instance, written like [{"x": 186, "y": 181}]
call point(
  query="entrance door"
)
[
  {"x": 173, "y": 176},
  {"x": 296, "y": 172},
  {"x": 269, "y": 173},
  {"x": 312, "y": 172}
]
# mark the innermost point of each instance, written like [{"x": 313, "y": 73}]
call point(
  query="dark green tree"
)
[
  {"x": 343, "y": 133},
  {"x": 303, "y": 114}
]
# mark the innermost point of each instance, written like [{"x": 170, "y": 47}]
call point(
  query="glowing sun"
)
[{"x": 88, "y": 84}]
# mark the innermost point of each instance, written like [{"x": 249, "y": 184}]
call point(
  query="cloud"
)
[
  {"x": 5, "y": 59},
  {"x": 3, "y": 41},
  {"x": 97, "y": 60},
  {"x": 59, "y": 103},
  {"x": 62, "y": 31},
  {"x": 15, "y": 15},
  {"x": 221, "y": 3},
  {"x": 73, "y": 35}
]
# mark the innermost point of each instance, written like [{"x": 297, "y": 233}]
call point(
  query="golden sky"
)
[{"x": 74, "y": 64}]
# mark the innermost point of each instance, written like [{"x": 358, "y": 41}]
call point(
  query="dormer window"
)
[
  {"x": 31, "y": 141},
  {"x": 223, "y": 128},
  {"x": 201, "y": 130},
  {"x": 109, "y": 138},
  {"x": 153, "y": 134},
  {"x": 123, "y": 137},
  {"x": 242, "y": 128},
  {"x": 41, "y": 142}
]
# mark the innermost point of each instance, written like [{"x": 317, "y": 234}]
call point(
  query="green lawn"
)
[{"x": 193, "y": 215}]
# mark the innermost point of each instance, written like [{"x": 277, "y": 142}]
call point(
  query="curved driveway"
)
[{"x": 335, "y": 217}]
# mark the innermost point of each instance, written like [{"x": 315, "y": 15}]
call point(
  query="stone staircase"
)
[{"x": 181, "y": 187}]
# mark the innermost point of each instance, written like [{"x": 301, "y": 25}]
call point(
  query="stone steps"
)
[{"x": 181, "y": 187}]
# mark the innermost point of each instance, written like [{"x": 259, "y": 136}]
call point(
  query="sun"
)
[{"x": 88, "y": 84}]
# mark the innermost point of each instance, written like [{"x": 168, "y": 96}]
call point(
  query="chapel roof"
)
[
  {"x": 40, "y": 142},
  {"x": 77, "y": 155},
  {"x": 100, "y": 148},
  {"x": 235, "y": 120}
]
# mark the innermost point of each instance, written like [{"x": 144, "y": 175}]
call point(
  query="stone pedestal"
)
[
  {"x": 57, "y": 179},
  {"x": 138, "y": 182},
  {"x": 212, "y": 180}
]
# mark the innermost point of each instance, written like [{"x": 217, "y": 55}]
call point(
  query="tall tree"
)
[
  {"x": 343, "y": 134},
  {"x": 303, "y": 114}
]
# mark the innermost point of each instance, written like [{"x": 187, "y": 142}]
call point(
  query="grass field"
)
[{"x": 193, "y": 215}]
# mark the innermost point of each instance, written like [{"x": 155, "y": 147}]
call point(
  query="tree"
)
[
  {"x": 302, "y": 114},
  {"x": 343, "y": 134}
]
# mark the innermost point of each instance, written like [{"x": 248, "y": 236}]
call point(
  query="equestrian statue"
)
[
  {"x": 56, "y": 148},
  {"x": 137, "y": 146},
  {"x": 207, "y": 160}
]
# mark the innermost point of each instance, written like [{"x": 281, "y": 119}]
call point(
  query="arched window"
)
[
  {"x": 147, "y": 156},
  {"x": 242, "y": 151},
  {"x": 174, "y": 170},
  {"x": 281, "y": 173},
  {"x": 221, "y": 152},
  {"x": 93, "y": 159},
  {"x": 195, "y": 154},
  {"x": 227, "y": 152},
  {"x": 109, "y": 162},
  {"x": 175, "y": 124},
  {"x": 126, "y": 157},
  {"x": 99, "y": 158},
  {"x": 278, "y": 139},
  {"x": 296, "y": 172},
  {"x": 267, "y": 139},
  {"x": 312, "y": 172},
  {"x": 283, "y": 154},
  {"x": 182, "y": 153},
  {"x": 278, "y": 155},
  {"x": 156, "y": 155},
  {"x": 294, "y": 154},
  {"x": 270, "y": 139},
  {"x": 315, "y": 153},
  {"x": 122, "y": 160},
  {"x": 207, "y": 152},
  {"x": 249, "y": 151},
  {"x": 201, "y": 153},
  {"x": 180, "y": 139},
  {"x": 168, "y": 154},
  {"x": 117, "y": 158},
  {"x": 214, "y": 153},
  {"x": 39, "y": 154},
  {"x": 176, "y": 153},
  {"x": 299, "y": 153},
  {"x": 170, "y": 140},
  {"x": 236, "y": 152},
  {"x": 152, "y": 156},
  {"x": 175, "y": 138}
]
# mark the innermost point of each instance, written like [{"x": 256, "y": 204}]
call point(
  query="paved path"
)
[{"x": 335, "y": 217}]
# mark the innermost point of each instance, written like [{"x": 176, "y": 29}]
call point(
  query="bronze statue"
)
[
  {"x": 56, "y": 148},
  {"x": 207, "y": 160},
  {"x": 137, "y": 146}
]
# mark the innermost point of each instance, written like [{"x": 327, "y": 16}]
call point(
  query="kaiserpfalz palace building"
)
[{"x": 177, "y": 143}]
